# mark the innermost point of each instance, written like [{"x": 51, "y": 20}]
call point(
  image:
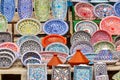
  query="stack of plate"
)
[
  {"x": 31, "y": 57},
  {"x": 7, "y": 57}
]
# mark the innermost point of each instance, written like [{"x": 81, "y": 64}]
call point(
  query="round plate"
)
[
  {"x": 5, "y": 37},
  {"x": 57, "y": 47},
  {"x": 5, "y": 62},
  {"x": 101, "y": 45},
  {"x": 84, "y": 46},
  {"x": 11, "y": 46},
  {"x": 32, "y": 61},
  {"x": 85, "y": 11},
  {"x": 86, "y": 25},
  {"x": 80, "y": 36},
  {"x": 28, "y": 26},
  {"x": 30, "y": 54},
  {"x": 117, "y": 8},
  {"x": 2, "y": 50},
  {"x": 3, "y": 23},
  {"x": 30, "y": 45},
  {"x": 55, "y": 26},
  {"x": 111, "y": 25},
  {"x": 47, "y": 55},
  {"x": 103, "y": 10},
  {"x": 100, "y": 35},
  {"x": 27, "y": 37},
  {"x": 117, "y": 38},
  {"x": 53, "y": 38}
]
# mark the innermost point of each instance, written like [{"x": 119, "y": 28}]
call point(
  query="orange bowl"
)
[{"x": 53, "y": 38}]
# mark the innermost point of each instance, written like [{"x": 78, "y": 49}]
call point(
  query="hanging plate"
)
[{"x": 3, "y": 23}]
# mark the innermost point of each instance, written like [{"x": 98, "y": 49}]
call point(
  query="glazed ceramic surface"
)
[
  {"x": 80, "y": 36},
  {"x": 102, "y": 77},
  {"x": 30, "y": 45},
  {"x": 3, "y": 23},
  {"x": 103, "y": 10},
  {"x": 111, "y": 25},
  {"x": 100, "y": 35},
  {"x": 47, "y": 55},
  {"x": 8, "y": 9},
  {"x": 117, "y": 8},
  {"x": 83, "y": 73},
  {"x": 86, "y": 25},
  {"x": 59, "y": 9},
  {"x": 100, "y": 69},
  {"x": 57, "y": 47},
  {"x": 116, "y": 76},
  {"x": 37, "y": 72},
  {"x": 84, "y": 46},
  {"x": 98, "y": 1},
  {"x": 55, "y": 26},
  {"x": 91, "y": 57},
  {"x": 28, "y": 26},
  {"x": 27, "y": 37},
  {"x": 42, "y": 9},
  {"x": 61, "y": 72},
  {"x": 25, "y": 8},
  {"x": 84, "y": 10},
  {"x": 5, "y": 37},
  {"x": 5, "y": 62},
  {"x": 101, "y": 45},
  {"x": 10, "y": 45}
]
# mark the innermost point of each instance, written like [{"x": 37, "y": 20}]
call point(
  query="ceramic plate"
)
[
  {"x": 111, "y": 25},
  {"x": 5, "y": 62},
  {"x": 11, "y": 46},
  {"x": 30, "y": 45},
  {"x": 32, "y": 61},
  {"x": 85, "y": 11},
  {"x": 27, "y": 37},
  {"x": 86, "y": 25},
  {"x": 91, "y": 57},
  {"x": 42, "y": 10},
  {"x": 101, "y": 45},
  {"x": 30, "y": 54},
  {"x": 80, "y": 36},
  {"x": 103, "y": 10},
  {"x": 3, "y": 23},
  {"x": 55, "y": 26},
  {"x": 100, "y": 35},
  {"x": 117, "y": 8},
  {"x": 47, "y": 55},
  {"x": 2, "y": 50},
  {"x": 117, "y": 38},
  {"x": 53, "y": 38},
  {"x": 57, "y": 47},
  {"x": 8, "y": 9},
  {"x": 116, "y": 76},
  {"x": 59, "y": 9},
  {"x": 28, "y": 26},
  {"x": 84, "y": 46},
  {"x": 5, "y": 37},
  {"x": 83, "y": 73},
  {"x": 25, "y": 8}
]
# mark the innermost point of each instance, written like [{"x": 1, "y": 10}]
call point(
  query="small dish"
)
[
  {"x": 53, "y": 38},
  {"x": 103, "y": 10},
  {"x": 47, "y": 55},
  {"x": 111, "y": 25},
  {"x": 117, "y": 8},
  {"x": 100, "y": 35},
  {"x": 10, "y": 45},
  {"x": 28, "y": 26},
  {"x": 86, "y": 25},
  {"x": 30, "y": 45},
  {"x": 84, "y": 46},
  {"x": 85, "y": 10},
  {"x": 80, "y": 36},
  {"x": 27, "y": 37},
  {"x": 102, "y": 45},
  {"x": 57, "y": 47},
  {"x": 55, "y": 26}
]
